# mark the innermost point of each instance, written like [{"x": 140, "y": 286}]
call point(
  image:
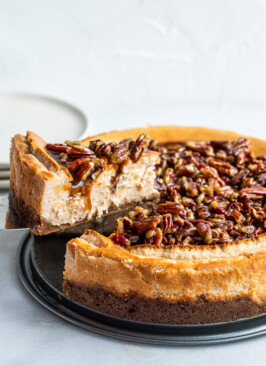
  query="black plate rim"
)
[{"x": 68, "y": 313}]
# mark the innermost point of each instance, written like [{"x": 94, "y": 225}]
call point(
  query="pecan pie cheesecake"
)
[
  {"x": 56, "y": 186},
  {"x": 198, "y": 255}
]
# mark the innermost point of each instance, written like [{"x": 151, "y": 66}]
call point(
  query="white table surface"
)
[{"x": 31, "y": 335}]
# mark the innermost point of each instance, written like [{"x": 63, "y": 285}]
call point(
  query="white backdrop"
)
[
  {"x": 128, "y": 63},
  {"x": 134, "y": 62}
]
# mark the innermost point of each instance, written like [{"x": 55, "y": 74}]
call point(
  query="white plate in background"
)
[
  {"x": 4, "y": 174},
  {"x": 4, "y": 184},
  {"x": 54, "y": 120}
]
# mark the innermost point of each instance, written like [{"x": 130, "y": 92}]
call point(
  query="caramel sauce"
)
[
  {"x": 77, "y": 186},
  {"x": 56, "y": 156},
  {"x": 84, "y": 188},
  {"x": 115, "y": 178}
]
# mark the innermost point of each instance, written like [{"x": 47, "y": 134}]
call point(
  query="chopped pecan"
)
[
  {"x": 258, "y": 214},
  {"x": 219, "y": 144},
  {"x": 249, "y": 230},
  {"x": 188, "y": 202},
  {"x": 237, "y": 215},
  {"x": 187, "y": 240},
  {"x": 171, "y": 207},
  {"x": 169, "y": 176},
  {"x": 223, "y": 167},
  {"x": 167, "y": 223},
  {"x": 236, "y": 147},
  {"x": 190, "y": 186},
  {"x": 124, "y": 226},
  {"x": 255, "y": 192},
  {"x": 225, "y": 191},
  {"x": 120, "y": 240},
  {"x": 74, "y": 165},
  {"x": 261, "y": 157},
  {"x": 204, "y": 231},
  {"x": 119, "y": 155},
  {"x": 147, "y": 224},
  {"x": 203, "y": 212},
  {"x": 261, "y": 179},
  {"x": 202, "y": 147},
  {"x": 239, "y": 177},
  {"x": 219, "y": 208},
  {"x": 154, "y": 237},
  {"x": 191, "y": 232},
  {"x": 185, "y": 170},
  {"x": 82, "y": 151},
  {"x": 85, "y": 170}
]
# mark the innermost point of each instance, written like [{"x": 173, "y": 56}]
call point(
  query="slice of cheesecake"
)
[{"x": 57, "y": 186}]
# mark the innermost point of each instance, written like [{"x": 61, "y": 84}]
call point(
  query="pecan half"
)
[
  {"x": 171, "y": 207},
  {"x": 254, "y": 192},
  {"x": 119, "y": 155},
  {"x": 147, "y": 224},
  {"x": 223, "y": 167},
  {"x": 138, "y": 147},
  {"x": 154, "y": 237},
  {"x": 120, "y": 240}
]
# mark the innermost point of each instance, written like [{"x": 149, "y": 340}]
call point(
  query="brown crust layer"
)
[
  {"x": 20, "y": 216},
  {"x": 158, "y": 310}
]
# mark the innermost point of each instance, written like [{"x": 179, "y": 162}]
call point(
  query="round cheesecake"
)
[{"x": 199, "y": 255}]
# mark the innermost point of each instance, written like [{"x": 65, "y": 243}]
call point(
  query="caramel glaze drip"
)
[{"x": 86, "y": 163}]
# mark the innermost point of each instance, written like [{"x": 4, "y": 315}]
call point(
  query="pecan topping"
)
[
  {"x": 154, "y": 237},
  {"x": 147, "y": 224},
  {"x": 171, "y": 207},
  {"x": 253, "y": 191},
  {"x": 223, "y": 167},
  {"x": 85, "y": 163},
  {"x": 211, "y": 193},
  {"x": 119, "y": 155},
  {"x": 120, "y": 240}
]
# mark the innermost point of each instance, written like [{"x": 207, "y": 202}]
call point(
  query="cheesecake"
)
[
  {"x": 59, "y": 186},
  {"x": 195, "y": 256}
]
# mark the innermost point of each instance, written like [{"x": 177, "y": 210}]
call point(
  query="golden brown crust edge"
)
[
  {"x": 180, "y": 133},
  {"x": 215, "y": 276}
]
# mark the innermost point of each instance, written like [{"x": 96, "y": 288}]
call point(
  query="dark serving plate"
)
[{"x": 40, "y": 264}]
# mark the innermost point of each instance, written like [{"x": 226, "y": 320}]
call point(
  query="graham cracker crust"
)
[
  {"x": 21, "y": 215},
  {"x": 133, "y": 307}
]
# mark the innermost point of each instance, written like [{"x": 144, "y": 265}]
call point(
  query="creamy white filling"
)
[{"x": 135, "y": 184}]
